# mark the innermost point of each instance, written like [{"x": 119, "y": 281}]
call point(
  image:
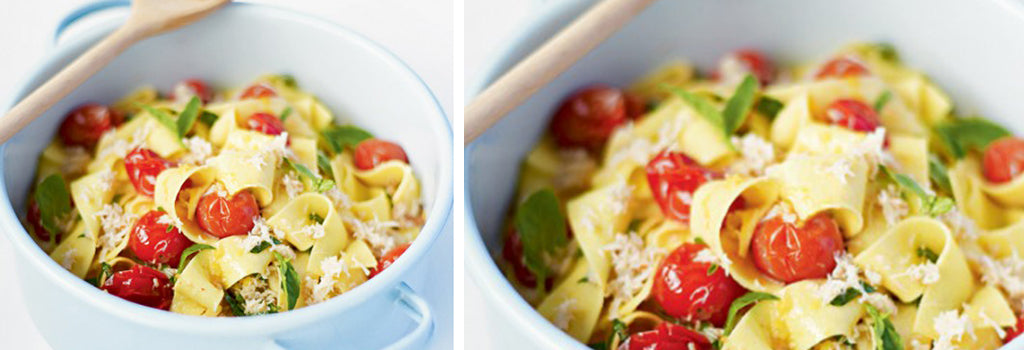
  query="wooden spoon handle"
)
[
  {"x": 65, "y": 81},
  {"x": 547, "y": 62}
]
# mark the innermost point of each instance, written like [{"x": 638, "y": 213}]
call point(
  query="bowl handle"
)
[
  {"x": 83, "y": 11},
  {"x": 415, "y": 307}
]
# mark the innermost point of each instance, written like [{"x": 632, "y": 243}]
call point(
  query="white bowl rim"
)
[
  {"x": 235, "y": 326},
  {"x": 479, "y": 262}
]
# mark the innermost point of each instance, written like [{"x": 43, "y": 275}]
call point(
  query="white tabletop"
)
[{"x": 26, "y": 28}]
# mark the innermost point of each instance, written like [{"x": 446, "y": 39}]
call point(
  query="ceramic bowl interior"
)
[{"x": 973, "y": 54}]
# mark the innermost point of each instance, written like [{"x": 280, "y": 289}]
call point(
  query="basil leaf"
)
[
  {"x": 318, "y": 183},
  {"x": 285, "y": 113},
  {"x": 769, "y": 107},
  {"x": 165, "y": 119},
  {"x": 702, "y": 106},
  {"x": 882, "y": 100},
  {"x": 339, "y": 137},
  {"x": 541, "y": 226},
  {"x": 289, "y": 279},
  {"x": 939, "y": 174},
  {"x": 208, "y": 118},
  {"x": 886, "y": 337},
  {"x": 931, "y": 205},
  {"x": 235, "y": 303},
  {"x": 187, "y": 118},
  {"x": 712, "y": 268},
  {"x": 850, "y": 294},
  {"x": 105, "y": 272},
  {"x": 960, "y": 136},
  {"x": 188, "y": 251},
  {"x": 54, "y": 203},
  {"x": 742, "y": 302},
  {"x": 259, "y": 248},
  {"x": 324, "y": 164},
  {"x": 887, "y": 52},
  {"x": 927, "y": 253},
  {"x": 314, "y": 217},
  {"x": 288, "y": 80},
  {"x": 738, "y": 106}
]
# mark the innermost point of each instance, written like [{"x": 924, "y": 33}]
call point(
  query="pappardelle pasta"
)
[
  {"x": 244, "y": 202},
  {"x": 836, "y": 205}
]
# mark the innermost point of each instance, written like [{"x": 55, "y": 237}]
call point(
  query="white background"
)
[{"x": 420, "y": 32}]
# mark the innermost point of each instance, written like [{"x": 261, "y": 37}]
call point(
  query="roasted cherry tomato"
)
[
  {"x": 852, "y": 114},
  {"x": 265, "y": 123},
  {"x": 667, "y": 336},
  {"x": 388, "y": 259},
  {"x": 198, "y": 89},
  {"x": 258, "y": 90},
  {"x": 86, "y": 124},
  {"x": 1004, "y": 159},
  {"x": 34, "y": 217},
  {"x": 789, "y": 253},
  {"x": 223, "y": 217},
  {"x": 512, "y": 251},
  {"x": 686, "y": 289},
  {"x": 841, "y": 67},
  {"x": 753, "y": 61},
  {"x": 588, "y": 117},
  {"x": 372, "y": 152},
  {"x": 141, "y": 285},
  {"x": 674, "y": 178},
  {"x": 143, "y": 166},
  {"x": 1014, "y": 332},
  {"x": 155, "y": 242}
]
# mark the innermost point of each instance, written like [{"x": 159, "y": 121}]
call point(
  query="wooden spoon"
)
[
  {"x": 547, "y": 62},
  {"x": 148, "y": 18}
]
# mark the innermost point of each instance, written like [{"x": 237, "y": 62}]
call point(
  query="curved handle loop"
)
[
  {"x": 419, "y": 311},
  {"x": 84, "y": 11}
]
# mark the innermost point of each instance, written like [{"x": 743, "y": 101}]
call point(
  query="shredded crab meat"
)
[
  {"x": 292, "y": 185},
  {"x": 375, "y": 232},
  {"x": 952, "y": 328},
  {"x": 894, "y": 208},
  {"x": 756, "y": 154},
  {"x": 563, "y": 314},
  {"x": 633, "y": 264},
  {"x": 199, "y": 150},
  {"x": 116, "y": 225}
]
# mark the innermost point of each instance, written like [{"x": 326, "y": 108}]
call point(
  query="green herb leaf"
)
[
  {"x": 314, "y": 217},
  {"x": 288, "y": 80},
  {"x": 585, "y": 279},
  {"x": 634, "y": 225},
  {"x": 769, "y": 107},
  {"x": 317, "y": 183},
  {"x": 189, "y": 251},
  {"x": 960, "y": 136},
  {"x": 54, "y": 202},
  {"x": 742, "y": 302},
  {"x": 259, "y": 248},
  {"x": 700, "y": 241},
  {"x": 925, "y": 252},
  {"x": 886, "y": 337},
  {"x": 738, "y": 106},
  {"x": 882, "y": 100},
  {"x": 541, "y": 226},
  {"x": 235, "y": 302},
  {"x": 888, "y": 52},
  {"x": 169, "y": 228},
  {"x": 289, "y": 279},
  {"x": 702, "y": 106},
  {"x": 324, "y": 164},
  {"x": 165, "y": 119},
  {"x": 939, "y": 174},
  {"x": 339, "y": 137},
  {"x": 208, "y": 118},
  {"x": 850, "y": 294},
  {"x": 285, "y": 113},
  {"x": 187, "y": 118},
  {"x": 931, "y": 204},
  {"x": 712, "y": 268},
  {"x": 105, "y": 272}
]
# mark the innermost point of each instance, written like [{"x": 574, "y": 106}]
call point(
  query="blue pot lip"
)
[
  {"x": 272, "y": 324},
  {"x": 480, "y": 264}
]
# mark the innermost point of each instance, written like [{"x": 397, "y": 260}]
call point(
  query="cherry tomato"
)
[
  {"x": 841, "y": 67},
  {"x": 635, "y": 106},
  {"x": 674, "y": 178},
  {"x": 789, "y": 253},
  {"x": 667, "y": 336},
  {"x": 141, "y": 285},
  {"x": 1015, "y": 331},
  {"x": 754, "y": 62},
  {"x": 86, "y": 124},
  {"x": 265, "y": 123},
  {"x": 34, "y": 217},
  {"x": 143, "y": 166},
  {"x": 198, "y": 88},
  {"x": 852, "y": 114},
  {"x": 512, "y": 251},
  {"x": 372, "y": 152},
  {"x": 157, "y": 243},
  {"x": 685, "y": 290},
  {"x": 588, "y": 117},
  {"x": 224, "y": 217},
  {"x": 1004, "y": 159},
  {"x": 388, "y": 259},
  {"x": 258, "y": 90}
]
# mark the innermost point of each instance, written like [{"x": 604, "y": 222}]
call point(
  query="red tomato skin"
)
[
  {"x": 143, "y": 166},
  {"x": 841, "y": 67},
  {"x": 667, "y": 336},
  {"x": 673, "y": 178},
  {"x": 1015, "y": 331},
  {"x": 756, "y": 63},
  {"x": 372, "y": 152},
  {"x": 199, "y": 88},
  {"x": 684, "y": 289},
  {"x": 1003, "y": 159},
  {"x": 141, "y": 285},
  {"x": 588, "y": 117},
  {"x": 225, "y": 217},
  {"x": 852, "y": 114},
  {"x": 86, "y": 124},
  {"x": 34, "y": 218},
  {"x": 258, "y": 90},
  {"x": 154, "y": 243},
  {"x": 789, "y": 253},
  {"x": 388, "y": 259},
  {"x": 265, "y": 123},
  {"x": 512, "y": 251}
]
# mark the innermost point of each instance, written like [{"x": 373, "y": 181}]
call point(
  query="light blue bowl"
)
[
  {"x": 359, "y": 80},
  {"x": 973, "y": 49}
]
